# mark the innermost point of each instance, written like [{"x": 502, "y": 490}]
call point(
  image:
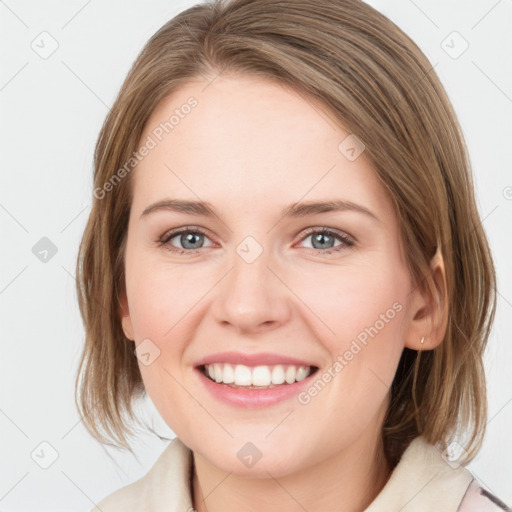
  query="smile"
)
[
  {"x": 257, "y": 377},
  {"x": 254, "y": 387}
]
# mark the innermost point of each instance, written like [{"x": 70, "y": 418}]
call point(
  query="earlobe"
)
[
  {"x": 125, "y": 318},
  {"x": 430, "y": 308}
]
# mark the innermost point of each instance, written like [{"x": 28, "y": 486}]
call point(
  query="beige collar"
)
[{"x": 421, "y": 482}]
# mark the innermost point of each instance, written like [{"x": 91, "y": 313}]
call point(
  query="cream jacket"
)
[{"x": 422, "y": 481}]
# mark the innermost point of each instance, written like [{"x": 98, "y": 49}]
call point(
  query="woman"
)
[{"x": 285, "y": 254}]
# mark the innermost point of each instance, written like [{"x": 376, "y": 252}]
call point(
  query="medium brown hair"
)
[{"x": 378, "y": 84}]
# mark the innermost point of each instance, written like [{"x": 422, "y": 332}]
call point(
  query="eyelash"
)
[{"x": 164, "y": 241}]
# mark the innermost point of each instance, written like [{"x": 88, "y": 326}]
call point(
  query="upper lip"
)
[{"x": 263, "y": 358}]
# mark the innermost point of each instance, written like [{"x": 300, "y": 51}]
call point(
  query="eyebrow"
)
[{"x": 295, "y": 210}]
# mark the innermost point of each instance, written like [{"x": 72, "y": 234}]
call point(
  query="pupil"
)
[
  {"x": 320, "y": 237},
  {"x": 185, "y": 239}
]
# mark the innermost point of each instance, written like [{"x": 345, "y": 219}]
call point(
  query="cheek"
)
[
  {"x": 160, "y": 312},
  {"x": 360, "y": 317},
  {"x": 362, "y": 328},
  {"x": 159, "y": 296},
  {"x": 347, "y": 300},
  {"x": 156, "y": 307},
  {"x": 164, "y": 306}
]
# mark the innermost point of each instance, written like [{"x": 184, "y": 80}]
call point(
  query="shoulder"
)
[
  {"x": 478, "y": 499},
  {"x": 425, "y": 481},
  {"x": 166, "y": 486}
]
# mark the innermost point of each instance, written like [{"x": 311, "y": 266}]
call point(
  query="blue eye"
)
[
  {"x": 188, "y": 237},
  {"x": 192, "y": 239},
  {"x": 326, "y": 236}
]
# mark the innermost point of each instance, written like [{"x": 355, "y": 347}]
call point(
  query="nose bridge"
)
[
  {"x": 251, "y": 295},
  {"x": 250, "y": 265}
]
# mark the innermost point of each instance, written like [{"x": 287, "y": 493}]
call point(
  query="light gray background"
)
[{"x": 51, "y": 112}]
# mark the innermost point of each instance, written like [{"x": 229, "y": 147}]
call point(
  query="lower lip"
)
[{"x": 252, "y": 397}]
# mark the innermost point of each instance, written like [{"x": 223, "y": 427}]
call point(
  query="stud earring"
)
[{"x": 422, "y": 340}]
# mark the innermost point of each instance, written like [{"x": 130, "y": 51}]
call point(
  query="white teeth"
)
[
  {"x": 242, "y": 375},
  {"x": 290, "y": 375},
  {"x": 278, "y": 374},
  {"x": 261, "y": 376},
  {"x": 228, "y": 375},
  {"x": 218, "y": 372},
  {"x": 302, "y": 373}
]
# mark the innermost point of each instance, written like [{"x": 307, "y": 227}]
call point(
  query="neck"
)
[{"x": 347, "y": 481}]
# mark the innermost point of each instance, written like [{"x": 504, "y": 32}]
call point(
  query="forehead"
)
[{"x": 248, "y": 137}]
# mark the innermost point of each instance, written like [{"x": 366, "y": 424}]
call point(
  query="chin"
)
[{"x": 256, "y": 459}]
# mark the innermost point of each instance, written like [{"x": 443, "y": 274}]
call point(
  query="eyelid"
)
[
  {"x": 346, "y": 239},
  {"x": 324, "y": 229},
  {"x": 172, "y": 233}
]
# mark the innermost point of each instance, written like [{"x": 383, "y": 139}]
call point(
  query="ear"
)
[
  {"x": 126, "y": 321},
  {"x": 429, "y": 308}
]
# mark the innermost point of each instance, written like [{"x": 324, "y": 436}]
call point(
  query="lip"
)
[
  {"x": 264, "y": 358},
  {"x": 252, "y": 398}
]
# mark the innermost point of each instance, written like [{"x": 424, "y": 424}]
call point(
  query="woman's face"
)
[{"x": 261, "y": 282}]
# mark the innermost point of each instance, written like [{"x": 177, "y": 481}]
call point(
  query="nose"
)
[{"x": 252, "y": 297}]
